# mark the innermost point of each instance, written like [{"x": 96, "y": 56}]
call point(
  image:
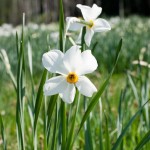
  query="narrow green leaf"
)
[
  {"x": 133, "y": 87},
  {"x": 107, "y": 138},
  {"x": 17, "y": 45},
  {"x": 100, "y": 91},
  {"x": 94, "y": 46},
  {"x": 61, "y": 25},
  {"x": 71, "y": 132},
  {"x": 20, "y": 92},
  {"x": 39, "y": 99},
  {"x": 50, "y": 110},
  {"x": 119, "y": 121},
  {"x": 63, "y": 123},
  {"x": 87, "y": 130},
  {"x": 82, "y": 39},
  {"x": 55, "y": 131},
  {"x": 119, "y": 140},
  {"x": 144, "y": 140},
  {"x": 3, "y": 134},
  {"x": 88, "y": 136},
  {"x": 100, "y": 127}
]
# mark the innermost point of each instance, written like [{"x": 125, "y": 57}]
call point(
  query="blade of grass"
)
[
  {"x": 63, "y": 123},
  {"x": 20, "y": 92},
  {"x": 82, "y": 39},
  {"x": 50, "y": 109},
  {"x": 88, "y": 136},
  {"x": 45, "y": 123},
  {"x": 100, "y": 91},
  {"x": 87, "y": 130},
  {"x": 100, "y": 127},
  {"x": 107, "y": 137},
  {"x": 144, "y": 140},
  {"x": 39, "y": 98},
  {"x": 119, "y": 121},
  {"x": 17, "y": 44},
  {"x": 133, "y": 87},
  {"x": 94, "y": 46},
  {"x": 55, "y": 131},
  {"x": 119, "y": 140},
  {"x": 3, "y": 134},
  {"x": 61, "y": 26},
  {"x": 71, "y": 132}
]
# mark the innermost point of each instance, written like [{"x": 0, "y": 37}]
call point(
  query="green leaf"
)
[
  {"x": 88, "y": 136},
  {"x": 94, "y": 46},
  {"x": 119, "y": 140},
  {"x": 20, "y": 91},
  {"x": 82, "y": 39},
  {"x": 71, "y": 132},
  {"x": 144, "y": 140},
  {"x": 133, "y": 87},
  {"x": 3, "y": 134},
  {"x": 63, "y": 124},
  {"x": 95, "y": 99},
  {"x": 50, "y": 110},
  {"x": 61, "y": 26},
  {"x": 87, "y": 130},
  {"x": 107, "y": 138},
  {"x": 55, "y": 131},
  {"x": 39, "y": 98},
  {"x": 100, "y": 127}
]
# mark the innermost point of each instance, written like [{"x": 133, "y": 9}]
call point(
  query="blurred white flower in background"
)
[
  {"x": 54, "y": 36},
  {"x": 6, "y": 30},
  {"x": 72, "y": 66},
  {"x": 91, "y": 22},
  {"x": 4, "y": 57}
]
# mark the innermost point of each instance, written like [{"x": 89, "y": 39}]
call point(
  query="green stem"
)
[
  {"x": 71, "y": 40},
  {"x": 45, "y": 124},
  {"x": 63, "y": 117},
  {"x": 82, "y": 39}
]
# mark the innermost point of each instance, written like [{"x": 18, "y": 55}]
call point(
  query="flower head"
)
[
  {"x": 71, "y": 67},
  {"x": 91, "y": 21}
]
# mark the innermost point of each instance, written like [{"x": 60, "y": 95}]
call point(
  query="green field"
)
[{"x": 127, "y": 91}]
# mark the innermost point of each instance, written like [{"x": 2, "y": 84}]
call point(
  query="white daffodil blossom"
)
[
  {"x": 72, "y": 67},
  {"x": 91, "y": 21}
]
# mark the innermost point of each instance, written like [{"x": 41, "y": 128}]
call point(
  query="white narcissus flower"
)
[
  {"x": 72, "y": 66},
  {"x": 91, "y": 21}
]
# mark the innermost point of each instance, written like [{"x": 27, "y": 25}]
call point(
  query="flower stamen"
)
[
  {"x": 72, "y": 77},
  {"x": 91, "y": 24}
]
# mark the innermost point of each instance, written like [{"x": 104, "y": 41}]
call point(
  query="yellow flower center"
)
[
  {"x": 91, "y": 24},
  {"x": 72, "y": 77}
]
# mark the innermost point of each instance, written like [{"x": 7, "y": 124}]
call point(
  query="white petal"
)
[
  {"x": 68, "y": 94},
  {"x": 55, "y": 85},
  {"x": 72, "y": 58},
  {"x": 89, "y": 63},
  {"x": 85, "y": 86},
  {"x": 90, "y": 13},
  {"x": 101, "y": 25},
  {"x": 73, "y": 24},
  {"x": 88, "y": 36},
  {"x": 52, "y": 61}
]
